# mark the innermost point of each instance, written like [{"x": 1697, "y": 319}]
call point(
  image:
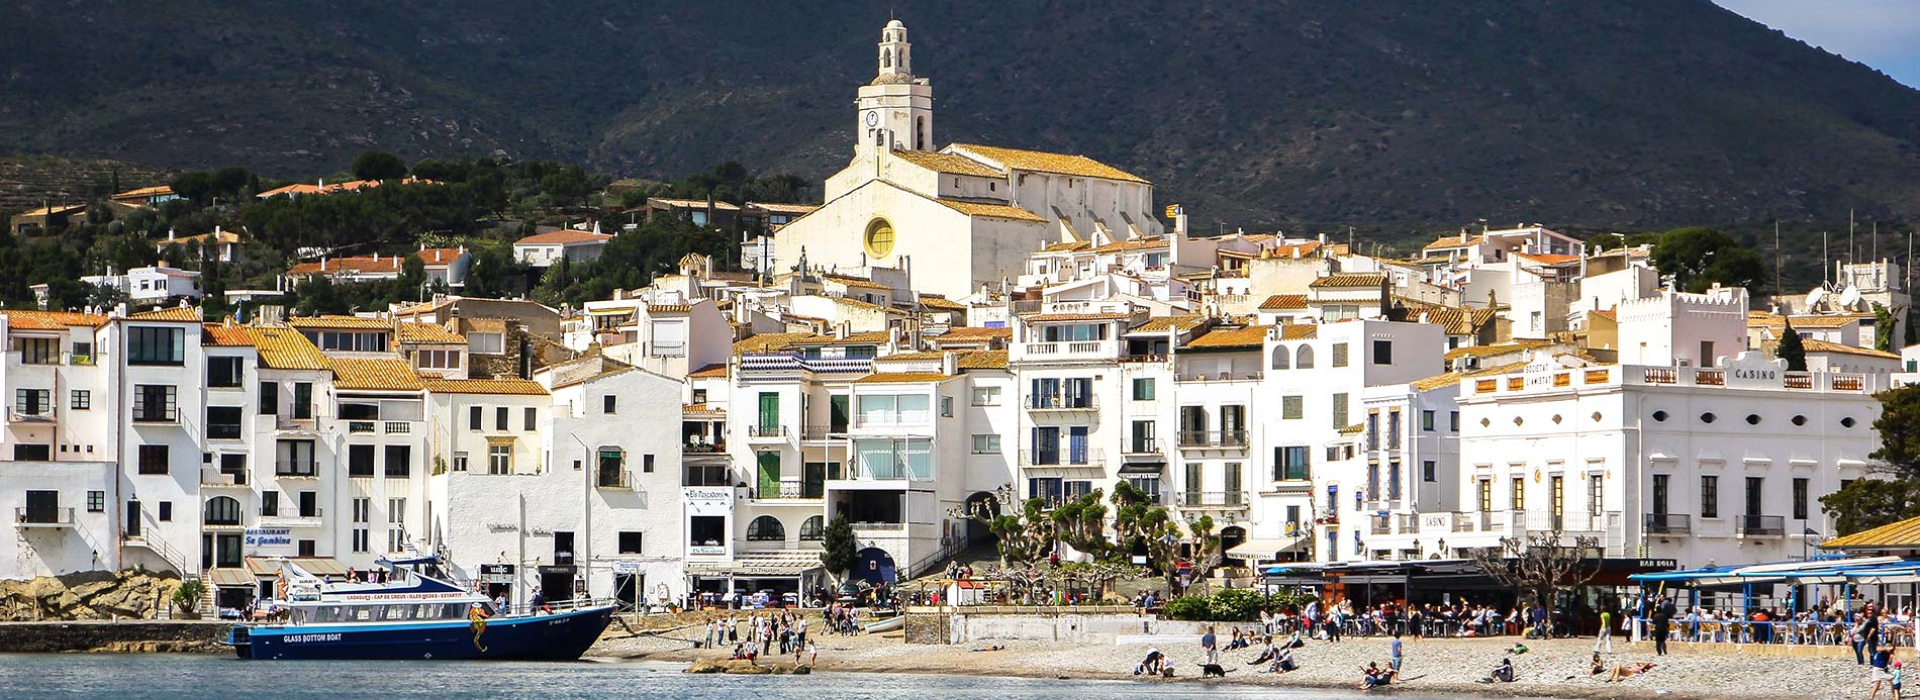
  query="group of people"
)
[
  {"x": 1862, "y": 624},
  {"x": 757, "y": 635},
  {"x": 1459, "y": 618}
]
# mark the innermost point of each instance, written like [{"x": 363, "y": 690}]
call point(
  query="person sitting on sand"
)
[
  {"x": 1284, "y": 664},
  {"x": 1517, "y": 649},
  {"x": 1373, "y": 677},
  {"x": 1502, "y": 673},
  {"x": 1265, "y": 655},
  {"x": 1295, "y": 642}
]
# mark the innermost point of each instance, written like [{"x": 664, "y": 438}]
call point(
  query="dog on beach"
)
[{"x": 1212, "y": 671}]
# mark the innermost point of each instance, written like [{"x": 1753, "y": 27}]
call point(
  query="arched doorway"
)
[
  {"x": 874, "y": 565},
  {"x": 1231, "y": 537},
  {"x": 977, "y": 532}
]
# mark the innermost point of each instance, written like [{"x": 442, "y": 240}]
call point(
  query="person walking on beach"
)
[
  {"x": 1209, "y": 646},
  {"x": 1662, "y": 619},
  {"x": 1605, "y": 638}
]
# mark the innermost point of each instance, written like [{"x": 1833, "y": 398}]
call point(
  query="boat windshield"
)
[{"x": 379, "y": 612}]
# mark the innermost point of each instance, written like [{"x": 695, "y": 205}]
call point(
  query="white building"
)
[
  {"x": 570, "y": 245},
  {"x": 149, "y": 285},
  {"x": 1723, "y": 464},
  {"x": 970, "y": 213}
]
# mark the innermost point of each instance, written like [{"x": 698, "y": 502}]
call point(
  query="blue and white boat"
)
[{"x": 416, "y": 614}]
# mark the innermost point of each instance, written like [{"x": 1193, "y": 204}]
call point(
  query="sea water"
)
[{"x": 206, "y": 677}]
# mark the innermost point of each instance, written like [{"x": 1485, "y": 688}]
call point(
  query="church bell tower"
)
[{"x": 895, "y": 111}]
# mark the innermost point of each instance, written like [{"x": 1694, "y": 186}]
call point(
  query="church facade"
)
[{"x": 961, "y": 216}]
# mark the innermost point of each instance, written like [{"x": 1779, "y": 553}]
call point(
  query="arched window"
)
[
  {"x": 886, "y": 59},
  {"x": 1281, "y": 357},
  {"x": 1303, "y": 359},
  {"x": 814, "y": 529},
  {"x": 223, "y": 510},
  {"x": 766, "y": 528}
]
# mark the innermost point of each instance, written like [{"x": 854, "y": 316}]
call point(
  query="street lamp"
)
[{"x": 1806, "y": 536}]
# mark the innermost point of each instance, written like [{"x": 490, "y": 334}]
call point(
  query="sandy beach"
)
[{"x": 1555, "y": 668}]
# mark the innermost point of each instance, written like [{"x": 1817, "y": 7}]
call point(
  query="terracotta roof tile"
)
[
  {"x": 949, "y": 163},
  {"x": 1143, "y": 243},
  {"x": 1812, "y": 345},
  {"x": 857, "y": 282},
  {"x": 428, "y": 333},
  {"x": 1162, "y": 324},
  {"x": 1349, "y": 280},
  {"x": 53, "y": 320},
  {"x": 375, "y": 374},
  {"x": 998, "y": 211},
  {"x": 1042, "y": 161},
  {"x": 216, "y": 335},
  {"x": 940, "y": 303},
  {"x": 285, "y": 348},
  {"x": 174, "y": 313},
  {"x": 1047, "y": 318},
  {"x": 1284, "y": 302},
  {"x": 982, "y": 359},
  {"x": 359, "y": 322},
  {"x": 1903, "y": 534},
  {"x": 974, "y": 333},
  {"x": 523, "y": 387},
  {"x": 717, "y": 370},
  {"x": 1233, "y": 338},
  {"x": 1299, "y": 331},
  {"x": 564, "y": 237},
  {"x": 768, "y": 342}
]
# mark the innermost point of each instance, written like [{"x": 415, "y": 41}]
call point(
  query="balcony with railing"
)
[
  {"x": 788, "y": 491},
  {"x": 286, "y": 425},
  {"x": 1381, "y": 525},
  {"x": 1760, "y": 525},
  {"x": 1058, "y": 402},
  {"x": 32, "y": 517},
  {"x": 766, "y": 433},
  {"x": 1217, "y": 439},
  {"x": 1218, "y": 377},
  {"x": 1212, "y": 499},
  {"x": 361, "y": 427},
  {"x": 822, "y": 432},
  {"x": 1137, "y": 447},
  {"x": 1063, "y": 458},
  {"x": 1668, "y": 524}
]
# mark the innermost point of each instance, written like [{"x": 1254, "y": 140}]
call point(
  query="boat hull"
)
[{"x": 557, "y": 637}]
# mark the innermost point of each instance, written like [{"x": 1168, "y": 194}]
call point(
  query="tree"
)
[
  {"x": 1869, "y": 503},
  {"x": 1024, "y": 537},
  {"x": 1205, "y": 547},
  {"x": 1699, "y": 257},
  {"x": 1082, "y": 524},
  {"x": 1883, "y": 325},
  {"x": 1791, "y": 349},
  {"x": 838, "y": 550},
  {"x": 378, "y": 165},
  {"x": 1540, "y": 564}
]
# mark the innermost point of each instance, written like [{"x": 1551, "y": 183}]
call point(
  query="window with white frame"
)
[
  {"x": 986, "y": 396},
  {"x": 986, "y": 444},
  {"x": 486, "y": 343}
]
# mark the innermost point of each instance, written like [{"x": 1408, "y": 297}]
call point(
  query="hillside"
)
[{"x": 1630, "y": 113}]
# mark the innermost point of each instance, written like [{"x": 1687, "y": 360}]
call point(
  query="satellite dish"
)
[
  {"x": 1850, "y": 298},
  {"x": 1819, "y": 294}
]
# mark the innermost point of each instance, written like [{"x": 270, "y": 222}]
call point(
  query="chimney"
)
[
  {"x": 949, "y": 363},
  {"x": 170, "y": 232}
]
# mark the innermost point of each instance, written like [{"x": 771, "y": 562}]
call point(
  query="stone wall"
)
[
  {"x": 1079, "y": 625},
  {"x": 171, "y": 637}
]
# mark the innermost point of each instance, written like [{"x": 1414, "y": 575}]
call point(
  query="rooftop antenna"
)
[
  {"x": 1826, "y": 245},
  {"x": 1777, "y": 291},
  {"x": 1850, "y": 227}
]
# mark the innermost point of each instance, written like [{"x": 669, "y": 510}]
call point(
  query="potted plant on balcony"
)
[{"x": 186, "y": 599}]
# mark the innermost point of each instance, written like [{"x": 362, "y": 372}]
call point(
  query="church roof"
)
[
  {"x": 1041, "y": 161},
  {"x": 998, "y": 211},
  {"x": 947, "y": 163}
]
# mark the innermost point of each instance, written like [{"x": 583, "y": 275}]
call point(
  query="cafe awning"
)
[
  {"x": 324, "y": 567},
  {"x": 1264, "y": 548},
  {"x": 1142, "y": 468},
  {"x": 235, "y": 577}
]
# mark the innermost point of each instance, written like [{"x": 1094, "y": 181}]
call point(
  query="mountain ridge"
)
[{"x": 1624, "y": 113}]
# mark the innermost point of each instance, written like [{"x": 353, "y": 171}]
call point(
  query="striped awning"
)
[
  {"x": 232, "y": 578},
  {"x": 324, "y": 567}
]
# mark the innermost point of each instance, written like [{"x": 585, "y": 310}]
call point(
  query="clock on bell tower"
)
[{"x": 896, "y": 109}]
